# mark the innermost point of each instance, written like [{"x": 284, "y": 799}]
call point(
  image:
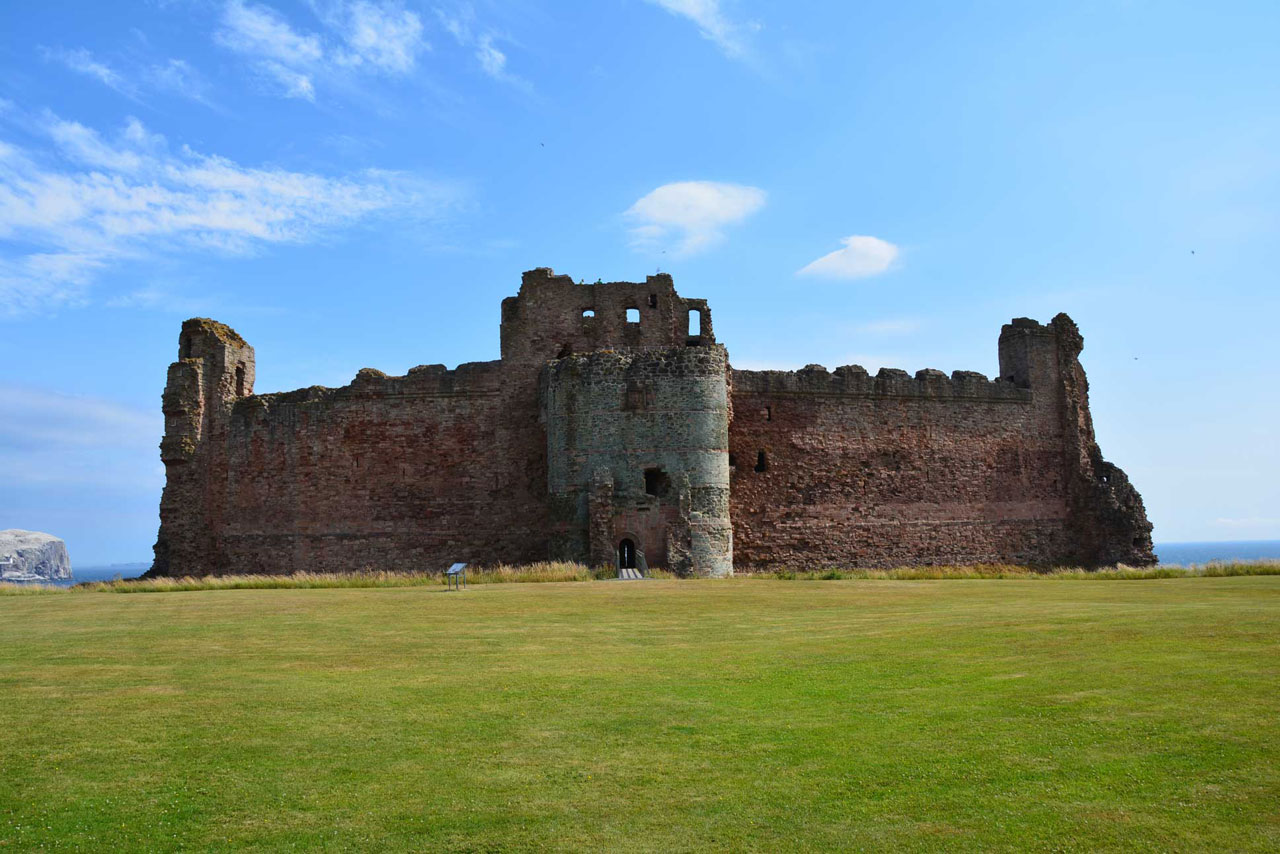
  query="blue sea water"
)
[
  {"x": 101, "y": 573},
  {"x": 1184, "y": 554}
]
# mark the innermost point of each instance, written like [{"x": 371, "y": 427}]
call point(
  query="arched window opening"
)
[
  {"x": 762, "y": 464},
  {"x": 239, "y": 380},
  {"x": 633, "y": 315},
  {"x": 588, "y": 313},
  {"x": 626, "y": 555},
  {"x": 695, "y": 323}
]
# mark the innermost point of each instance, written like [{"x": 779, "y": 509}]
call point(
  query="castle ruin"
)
[{"x": 613, "y": 430}]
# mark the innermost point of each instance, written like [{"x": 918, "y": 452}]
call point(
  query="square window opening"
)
[{"x": 656, "y": 482}]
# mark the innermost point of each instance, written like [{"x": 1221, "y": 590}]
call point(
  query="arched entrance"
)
[{"x": 627, "y": 554}]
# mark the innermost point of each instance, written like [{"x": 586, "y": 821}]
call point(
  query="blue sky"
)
[{"x": 357, "y": 183}]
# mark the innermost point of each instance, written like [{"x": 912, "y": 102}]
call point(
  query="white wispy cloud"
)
[
  {"x": 363, "y": 36},
  {"x": 276, "y": 51},
  {"x": 172, "y": 77},
  {"x": 861, "y": 256},
  {"x": 462, "y": 25},
  {"x": 261, "y": 31},
  {"x": 95, "y": 202},
  {"x": 178, "y": 77},
  {"x": 385, "y": 37},
  {"x": 713, "y": 24},
  {"x": 82, "y": 61},
  {"x": 690, "y": 215}
]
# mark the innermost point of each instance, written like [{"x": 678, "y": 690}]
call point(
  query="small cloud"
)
[
  {"x": 461, "y": 25},
  {"x": 277, "y": 52},
  {"x": 260, "y": 31},
  {"x": 363, "y": 36},
  {"x": 712, "y": 24},
  {"x": 293, "y": 84},
  {"x": 178, "y": 77},
  {"x": 492, "y": 60},
  {"x": 861, "y": 256},
  {"x": 385, "y": 37},
  {"x": 84, "y": 146},
  {"x": 82, "y": 61},
  {"x": 174, "y": 77},
  {"x": 692, "y": 213}
]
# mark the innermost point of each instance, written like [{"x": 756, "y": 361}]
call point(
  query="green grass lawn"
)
[{"x": 659, "y": 715}]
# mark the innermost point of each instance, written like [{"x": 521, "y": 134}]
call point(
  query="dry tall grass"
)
[{"x": 550, "y": 571}]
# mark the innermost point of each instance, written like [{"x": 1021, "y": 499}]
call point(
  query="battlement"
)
[
  {"x": 469, "y": 378},
  {"x": 855, "y": 381}
]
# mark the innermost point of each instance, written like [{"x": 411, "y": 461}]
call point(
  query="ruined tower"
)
[{"x": 214, "y": 369}]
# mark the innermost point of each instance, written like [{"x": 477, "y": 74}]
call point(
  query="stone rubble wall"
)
[{"x": 896, "y": 470}]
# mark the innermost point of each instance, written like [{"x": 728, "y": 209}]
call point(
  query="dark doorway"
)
[{"x": 626, "y": 555}]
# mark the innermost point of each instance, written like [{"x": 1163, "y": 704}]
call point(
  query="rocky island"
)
[{"x": 33, "y": 556}]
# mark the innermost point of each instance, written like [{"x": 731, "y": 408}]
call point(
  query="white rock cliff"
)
[{"x": 32, "y": 556}]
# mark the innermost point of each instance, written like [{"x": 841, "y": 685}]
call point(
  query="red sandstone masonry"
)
[{"x": 413, "y": 473}]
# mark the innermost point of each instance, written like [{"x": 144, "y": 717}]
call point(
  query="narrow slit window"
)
[
  {"x": 762, "y": 463},
  {"x": 768, "y": 413},
  {"x": 653, "y": 300},
  {"x": 239, "y": 380},
  {"x": 633, "y": 315}
]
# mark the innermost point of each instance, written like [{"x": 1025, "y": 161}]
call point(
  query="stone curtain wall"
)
[
  {"x": 389, "y": 473},
  {"x": 894, "y": 469}
]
